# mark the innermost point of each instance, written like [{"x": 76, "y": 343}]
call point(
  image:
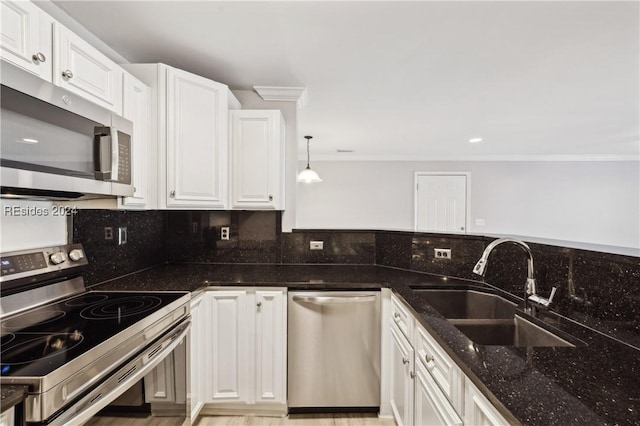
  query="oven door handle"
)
[{"x": 122, "y": 379}]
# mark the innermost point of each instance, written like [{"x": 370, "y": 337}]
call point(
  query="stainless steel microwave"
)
[{"x": 57, "y": 145}]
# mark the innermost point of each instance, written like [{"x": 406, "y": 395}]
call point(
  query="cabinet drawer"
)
[
  {"x": 401, "y": 317},
  {"x": 442, "y": 368}
]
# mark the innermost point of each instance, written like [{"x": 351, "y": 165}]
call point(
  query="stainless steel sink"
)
[
  {"x": 467, "y": 303},
  {"x": 508, "y": 332},
  {"x": 489, "y": 319}
]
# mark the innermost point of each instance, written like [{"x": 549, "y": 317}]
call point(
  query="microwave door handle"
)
[
  {"x": 115, "y": 154},
  {"x": 103, "y": 150}
]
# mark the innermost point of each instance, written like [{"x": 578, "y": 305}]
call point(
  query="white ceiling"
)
[{"x": 411, "y": 80}]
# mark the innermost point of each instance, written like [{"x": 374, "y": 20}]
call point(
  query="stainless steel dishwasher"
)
[{"x": 334, "y": 351}]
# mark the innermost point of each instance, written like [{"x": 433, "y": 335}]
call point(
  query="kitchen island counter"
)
[{"x": 595, "y": 382}]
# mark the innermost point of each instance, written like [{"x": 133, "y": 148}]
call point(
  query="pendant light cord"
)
[{"x": 308, "y": 138}]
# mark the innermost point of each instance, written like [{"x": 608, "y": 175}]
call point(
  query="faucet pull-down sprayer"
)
[{"x": 530, "y": 295}]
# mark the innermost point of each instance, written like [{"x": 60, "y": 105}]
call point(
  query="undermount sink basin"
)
[
  {"x": 508, "y": 332},
  {"x": 467, "y": 303},
  {"x": 488, "y": 319}
]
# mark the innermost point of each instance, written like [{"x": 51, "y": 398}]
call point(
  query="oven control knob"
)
[
  {"x": 58, "y": 257},
  {"x": 76, "y": 254}
]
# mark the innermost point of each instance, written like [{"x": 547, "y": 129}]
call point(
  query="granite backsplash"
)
[{"x": 599, "y": 289}]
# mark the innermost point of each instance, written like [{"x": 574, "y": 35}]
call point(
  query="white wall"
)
[
  {"x": 30, "y": 224},
  {"x": 591, "y": 202}
]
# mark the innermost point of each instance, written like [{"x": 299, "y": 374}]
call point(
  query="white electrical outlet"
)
[
  {"x": 316, "y": 245},
  {"x": 224, "y": 233},
  {"x": 442, "y": 253}
]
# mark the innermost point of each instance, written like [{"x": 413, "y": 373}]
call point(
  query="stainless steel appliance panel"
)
[
  {"x": 334, "y": 349},
  {"x": 56, "y": 145}
]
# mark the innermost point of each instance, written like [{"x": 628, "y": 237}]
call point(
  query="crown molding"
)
[
  {"x": 424, "y": 158},
  {"x": 283, "y": 94}
]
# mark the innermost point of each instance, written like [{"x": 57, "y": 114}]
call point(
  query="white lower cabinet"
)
[
  {"x": 246, "y": 351},
  {"x": 402, "y": 371},
  {"x": 431, "y": 406},
  {"x": 478, "y": 410},
  {"x": 426, "y": 387},
  {"x": 7, "y": 418},
  {"x": 197, "y": 357},
  {"x": 167, "y": 387}
]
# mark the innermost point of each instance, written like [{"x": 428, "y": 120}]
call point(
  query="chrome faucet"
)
[{"x": 530, "y": 295}]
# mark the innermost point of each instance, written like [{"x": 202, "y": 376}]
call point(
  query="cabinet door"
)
[
  {"x": 136, "y": 109},
  {"x": 83, "y": 70},
  {"x": 159, "y": 384},
  {"x": 478, "y": 410},
  {"x": 401, "y": 378},
  {"x": 197, "y": 358},
  {"x": 257, "y": 159},
  {"x": 271, "y": 347},
  {"x": 442, "y": 368},
  {"x": 431, "y": 406},
  {"x": 196, "y": 141},
  {"x": 227, "y": 352},
  {"x": 26, "y": 37}
]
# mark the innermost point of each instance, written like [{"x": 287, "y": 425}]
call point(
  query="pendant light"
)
[{"x": 308, "y": 175}]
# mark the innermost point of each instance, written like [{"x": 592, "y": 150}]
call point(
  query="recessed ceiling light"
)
[
  {"x": 475, "y": 140},
  {"x": 28, "y": 140}
]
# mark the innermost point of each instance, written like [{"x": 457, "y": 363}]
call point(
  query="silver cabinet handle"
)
[
  {"x": 67, "y": 74},
  {"x": 270, "y": 197},
  {"x": 412, "y": 375},
  {"x": 428, "y": 358},
  {"x": 39, "y": 57},
  {"x": 405, "y": 360},
  {"x": 259, "y": 304},
  {"x": 396, "y": 315},
  {"x": 172, "y": 194},
  {"x": 335, "y": 299}
]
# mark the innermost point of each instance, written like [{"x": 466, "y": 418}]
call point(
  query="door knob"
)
[{"x": 67, "y": 74}]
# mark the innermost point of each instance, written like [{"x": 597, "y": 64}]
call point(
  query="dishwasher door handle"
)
[{"x": 335, "y": 299}]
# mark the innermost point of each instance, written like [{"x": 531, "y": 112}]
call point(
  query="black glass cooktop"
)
[{"x": 40, "y": 341}]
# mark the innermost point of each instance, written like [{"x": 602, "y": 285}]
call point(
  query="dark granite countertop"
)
[
  {"x": 12, "y": 395},
  {"x": 596, "y": 382}
]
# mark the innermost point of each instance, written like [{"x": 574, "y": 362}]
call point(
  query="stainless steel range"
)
[{"x": 79, "y": 350}]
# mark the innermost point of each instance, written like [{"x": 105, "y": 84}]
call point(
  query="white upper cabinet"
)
[
  {"x": 136, "y": 109},
  {"x": 83, "y": 70},
  {"x": 257, "y": 159},
  {"x": 189, "y": 132},
  {"x": 197, "y": 145},
  {"x": 26, "y": 37}
]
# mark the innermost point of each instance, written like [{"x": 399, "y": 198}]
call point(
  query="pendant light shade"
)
[{"x": 308, "y": 175}]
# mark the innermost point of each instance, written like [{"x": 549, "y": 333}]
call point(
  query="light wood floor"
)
[{"x": 292, "y": 420}]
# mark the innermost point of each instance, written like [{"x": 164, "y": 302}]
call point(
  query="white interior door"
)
[{"x": 441, "y": 202}]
